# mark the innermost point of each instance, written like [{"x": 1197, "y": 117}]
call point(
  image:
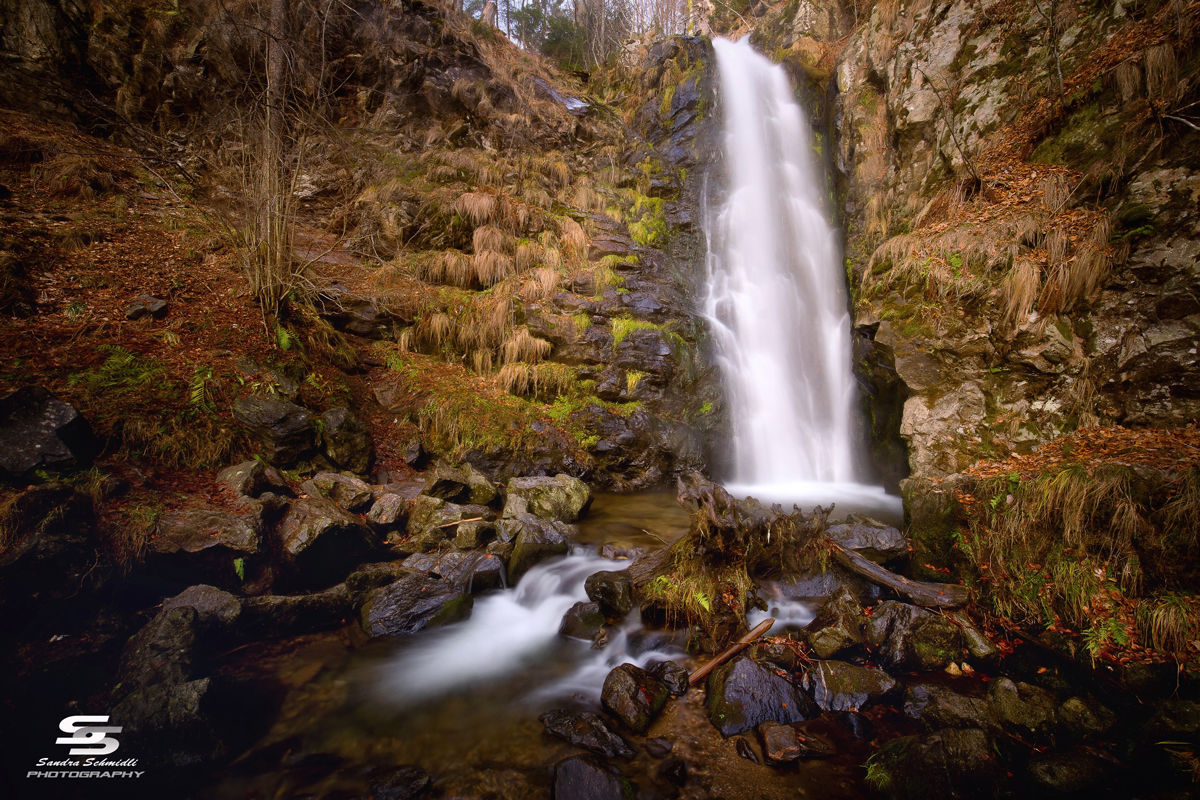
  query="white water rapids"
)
[{"x": 777, "y": 303}]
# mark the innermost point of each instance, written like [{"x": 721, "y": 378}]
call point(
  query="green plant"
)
[
  {"x": 1101, "y": 634},
  {"x": 239, "y": 567},
  {"x": 878, "y": 778}
]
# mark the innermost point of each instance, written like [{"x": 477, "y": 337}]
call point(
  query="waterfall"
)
[{"x": 776, "y": 302}]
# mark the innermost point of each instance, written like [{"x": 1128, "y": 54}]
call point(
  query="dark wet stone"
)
[
  {"x": 39, "y": 431},
  {"x": 162, "y": 652},
  {"x": 658, "y": 747},
  {"x": 1174, "y": 719},
  {"x": 414, "y": 454},
  {"x": 537, "y": 541},
  {"x": 216, "y": 611},
  {"x": 290, "y": 615},
  {"x": 838, "y": 686},
  {"x": 742, "y": 695},
  {"x": 471, "y": 535},
  {"x": 745, "y": 750},
  {"x": 911, "y": 639},
  {"x": 938, "y": 707},
  {"x": 774, "y": 651},
  {"x": 413, "y": 602},
  {"x": 351, "y": 494},
  {"x": 779, "y": 742},
  {"x": 399, "y": 783},
  {"x": 347, "y": 441},
  {"x": 285, "y": 429},
  {"x": 1024, "y": 710},
  {"x": 673, "y": 676},
  {"x": 587, "y": 777},
  {"x": 431, "y": 523},
  {"x": 1085, "y": 718},
  {"x": 480, "y": 489},
  {"x": 146, "y": 306},
  {"x": 813, "y": 746},
  {"x": 560, "y": 498},
  {"x": 207, "y": 544},
  {"x": 877, "y": 544},
  {"x": 372, "y": 576},
  {"x": 633, "y": 696},
  {"x": 674, "y": 769},
  {"x": 648, "y": 641},
  {"x": 320, "y": 543},
  {"x": 387, "y": 512},
  {"x": 446, "y": 482},
  {"x": 947, "y": 765},
  {"x": 612, "y": 590},
  {"x": 828, "y": 582},
  {"x": 860, "y": 726},
  {"x": 1073, "y": 770},
  {"x": 252, "y": 479},
  {"x": 584, "y": 729},
  {"x": 837, "y": 627},
  {"x": 582, "y": 621}
]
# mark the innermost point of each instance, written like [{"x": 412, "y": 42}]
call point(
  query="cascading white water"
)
[{"x": 777, "y": 304}]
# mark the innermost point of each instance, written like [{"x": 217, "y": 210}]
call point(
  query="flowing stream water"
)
[{"x": 777, "y": 305}]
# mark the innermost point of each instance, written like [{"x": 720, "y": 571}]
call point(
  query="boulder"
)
[
  {"x": 347, "y": 441},
  {"x": 813, "y": 746},
  {"x": 406, "y": 782},
  {"x": 877, "y": 544},
  {"x": 167, "y": 726},
  {"x": 162, "y": 652},
  {"x": 587, "y": 730},
  {"x": 911, "y": 639},
  {"x": 837, "y": 627},
  {"x": 1085, "y": 718},
  {"x": 743, "y": 694},
  {"x": 779, "y": 742},
  {"x": 472, "y": 535},
  {"x": 633, "y": 696},
  {"x": 1024, "y": 710},
  {"x": 214, "y": 545},
  {"x": 387, "y": 512},
  {"x": 321, "y": 543},
  {"x": 658, "y": 747},
  {"x": 1175, "y": 719},
  {"x": 446, "y": 482},
  {"x": 39, "y": 431},
  {"x": 673, "y": 676},
  {"x": 252, "y": 479},
  {"x": 612, "y": 590},
  {"x": 559, "y": 498},
  {"x": 828, "y": 582},
  {"x": 431, "y": 523},
  {"x": 480, "y": 489},
  {"x": 538, "y": 540},
  {"x": 582, "y": 621},
  {"x": 946, "y": 765},
  {"x": 349, "y": 493},
  {"x": 586, "y": 777},
  {"x": 1074, "y": 771},
  {"x": 285, "y": 429},
  {"x": 371, "y": 576},
  {"x": 146, "y": 306},
  {"x": 217, "y": 612},
  {"x": 838, "y": 686},
  {"x": 413, "y": 602},
  {"x": 857, "y": 725},
  {"x": 937, "y": 707},
  {"x": 277, "y": 616}
]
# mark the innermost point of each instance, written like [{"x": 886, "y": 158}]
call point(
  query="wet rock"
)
[
  {"x": 979, "y": 646},
  {"x": 586, "y": 777},
  {"x": 1174, "y": 719},
  {"x": 633, "y": 696},
  {"x": 582, "y": 621},
  {"x": 673, "y": 769},
  {"x": 39, "y": 431},
  {"x": 774, "y": 651},
  {"x": 412, "y": 603},
  {"x": 480, "y": 489},
  {"x": 828, "y": 582},
  {"x": 146, "y": 306},
  {"x": 745, "y": 750},
  {"x": 387, "y": 512},
  {"x": 285, "y": 429},
  {"x": 657, "y": 747},
  {"x": 1023, "y": 710},
  {"x": 838, "y": 626},
  {"x": 349, "y": 493},
  {"x": 347, "y": 441},
  {"x": 278, "y": 616},
  {"x": 859, "y": 725},
  {"x": 166, "y": 723},
  {"x": 646, "y": 641},
  {"x": 838, "y": 686},
  {"x": 877, "y": 544},
  {"x": 321, "y": 543},
  {"x": 446, "y": 482},
  {"x": 252, "y": 479},
  {"x": 208, "y": 544},
  {"x": 1085, "y": 718},
  {"x": 162, "y": 652},
  {"x": 939, "y": 707},
  {"x": 1074, "y": 770},
  {"x": 673, "y": 676},
  {"x": 612, "y": 590},
  {"x": 400, "y": 783},
  {"x": 414, "y": 454},
  {"x": 585, "y": 729},
  {"x": 560, "y": 498},
  {"x": 911, "y": 639},
  {"x": 779, "y": 742},
  {"x": 537, "y": 541},
  {"x": 617, "y": 552},
  {"x": 947, "y": 765},
  {"x": 813, "y": 746},
  {"x": 742, "y": 695},
  {"x": 472, "y": 535},
  {"x": 217, "y": 612},
  {"x": 431, "y": 523},
  {"x": 371, "y": 576}
]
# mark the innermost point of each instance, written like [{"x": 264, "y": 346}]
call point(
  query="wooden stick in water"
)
[{"x": 731, "y": 651}]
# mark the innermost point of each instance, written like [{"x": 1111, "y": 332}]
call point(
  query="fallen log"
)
[
  {"x": 731, "y": 651},
  {"x": 939, "y": 595}
]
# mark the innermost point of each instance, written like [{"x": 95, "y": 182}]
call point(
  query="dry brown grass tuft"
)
[
  {"x": 1019, "y": 291},
  {"x": 1055, "y": 192},
  {"x": 546, "y": 380},
  {"x": 69, "y": 175},
  {"x": 435, "y": 328},
  {"x": 1057, "y": 245},
  {"x": 489, "y": 237},
  {"x": 478, "y": 208},
  {"x": 491, "y": 267},
  {"x": 524, "y": 346},
  {"x": 543, "y": 286},
  {"x": 1129, "y": 80},
  {"x": 573, "y": 235},
  {"x": 1162, "y": 72}
]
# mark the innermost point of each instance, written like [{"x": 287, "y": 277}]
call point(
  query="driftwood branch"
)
[
  {"x": 731, "y": 651},
  {"x": 940, "y": 595},
  {"x": 457, "y": 522}
]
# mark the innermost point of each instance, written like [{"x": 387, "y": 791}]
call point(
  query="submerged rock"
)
[
  {"x": 585, "y": 729},
  {"x": 582, "y": 621},
  {"x": 412, "y": 603},
  {"x": 673, "y": 769},
  {"x": 779, "y": 742},
  {"x": 39, "y": 431},
  {"x": 743, "y": 694},
  {"x": 586, "y": 777},
  {"x": 633, "y": 696},
  {"x": 745, "y": 750},
  {"x": 1071, "y": 771},
  {"x": 911, "y": 639},
  {"x": 400, "y": 783},
  {"x": 838, "y": 686}
]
